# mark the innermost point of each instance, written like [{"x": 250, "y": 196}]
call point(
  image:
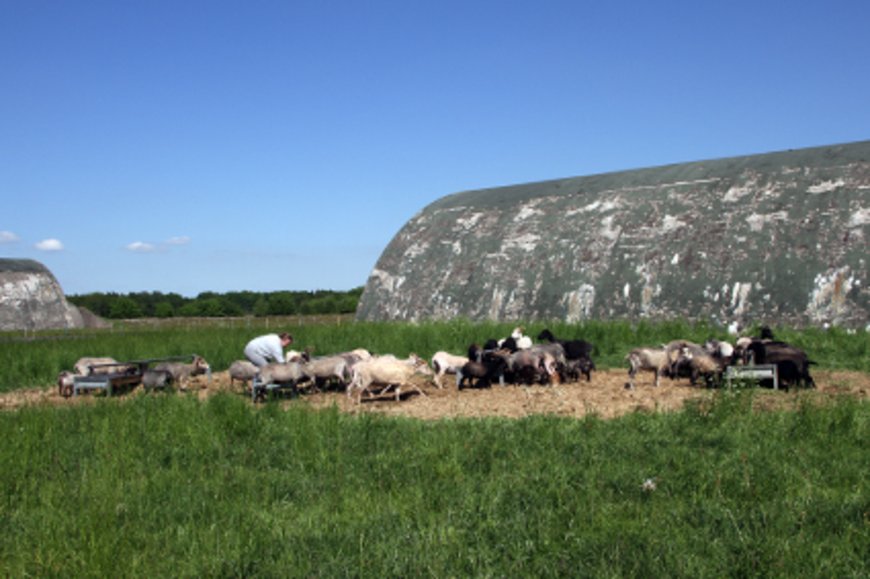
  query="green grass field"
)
[{"x": 168, "y": 486}]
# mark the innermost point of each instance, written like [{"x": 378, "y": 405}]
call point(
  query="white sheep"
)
[
  {"x": 295, "y": 356},
  {"x": 386, "y": 372},
  {"x": 85, "y": 366},
  {"x": 446, "y": 363},
  {"x": 521, "y": 341}
]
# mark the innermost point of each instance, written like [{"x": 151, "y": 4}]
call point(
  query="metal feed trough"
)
[
  {"x": 753, "y": 372},
  {"x": 260, "y": 390},
  {"x": 128, "y": 374}
]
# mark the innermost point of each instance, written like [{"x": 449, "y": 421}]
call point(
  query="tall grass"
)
[
  {"x": 35, "y": 360},
  {"x": 168, "y": 486}
]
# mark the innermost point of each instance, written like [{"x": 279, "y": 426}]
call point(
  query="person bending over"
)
[{"x": 269, "y": 348}]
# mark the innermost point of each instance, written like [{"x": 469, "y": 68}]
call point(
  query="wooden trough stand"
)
[
  {"x": 128, "y": 374},
  {"x": 755, "y": 373}
]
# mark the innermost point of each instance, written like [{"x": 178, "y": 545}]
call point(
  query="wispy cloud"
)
[
  {"x": 146, "y": 247},
  {"x": 50, "y": 244},
  {"x": 8, "y": 237},
  {"x": 141, "y": 247},
  {"x": 180, "y": 240}
]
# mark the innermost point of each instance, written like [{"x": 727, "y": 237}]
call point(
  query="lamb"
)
[
  {"x": 446, "y": 363},
  {"x": 578, "y": 355},
  {"x": 482, "y": 369},
  {"x": 518, "y": 341},
  {"x": 388, "y": 372},
  {"x": 181, "y": 373},
  {"x": 66, "y": 383},
  {"x": 652, "y": 359},
  {"x": 156, "y": 379},
  {"x": 243, "y": 371},
  {"x": 579, "y": 367}
]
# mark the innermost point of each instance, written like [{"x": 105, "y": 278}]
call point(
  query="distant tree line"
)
[{"x": 211, "y": 304}]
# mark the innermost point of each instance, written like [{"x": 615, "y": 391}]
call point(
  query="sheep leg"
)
[{"x": 632, "y": 372}]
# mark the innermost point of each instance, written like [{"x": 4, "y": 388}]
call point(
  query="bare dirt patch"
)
[{"x": 605, "y": 396}]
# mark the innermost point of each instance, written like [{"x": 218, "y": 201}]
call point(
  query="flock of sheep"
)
[
  {"x": 514, "y": 359},
  {"x": 518, "y": 360}
]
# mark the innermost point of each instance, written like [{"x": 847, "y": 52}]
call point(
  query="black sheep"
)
[
  {"x": 792, "y": 363},
  {"x": 480, "y": 374}
]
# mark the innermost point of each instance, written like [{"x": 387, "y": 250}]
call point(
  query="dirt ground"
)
[{"x": 604, "y": 396}]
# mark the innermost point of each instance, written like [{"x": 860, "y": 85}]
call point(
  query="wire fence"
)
[{"x": 145, "y": 324}]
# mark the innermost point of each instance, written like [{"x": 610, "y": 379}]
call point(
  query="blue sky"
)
[{"x": 191, "y": 146}]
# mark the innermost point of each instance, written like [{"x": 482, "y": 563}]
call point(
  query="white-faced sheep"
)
[{"x": 386, "y": 372}]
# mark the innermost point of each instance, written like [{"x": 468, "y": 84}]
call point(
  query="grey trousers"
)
[{"x": 255, "y": 358}]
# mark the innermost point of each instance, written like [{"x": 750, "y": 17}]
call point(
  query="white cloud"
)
[
  {"x": 140, "y": 247},
  {"x": 49, "y": 245},
  {"x": 8, "y": 237},
  {"x": 180, "y": 240}
]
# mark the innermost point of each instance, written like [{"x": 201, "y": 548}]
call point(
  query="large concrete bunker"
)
[{"x": 780, "y": 238}]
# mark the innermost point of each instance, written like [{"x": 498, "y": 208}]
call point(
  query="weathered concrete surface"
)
[
  {"x": 778, "y": 238},
  {"x": 31, "y": 298}
]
